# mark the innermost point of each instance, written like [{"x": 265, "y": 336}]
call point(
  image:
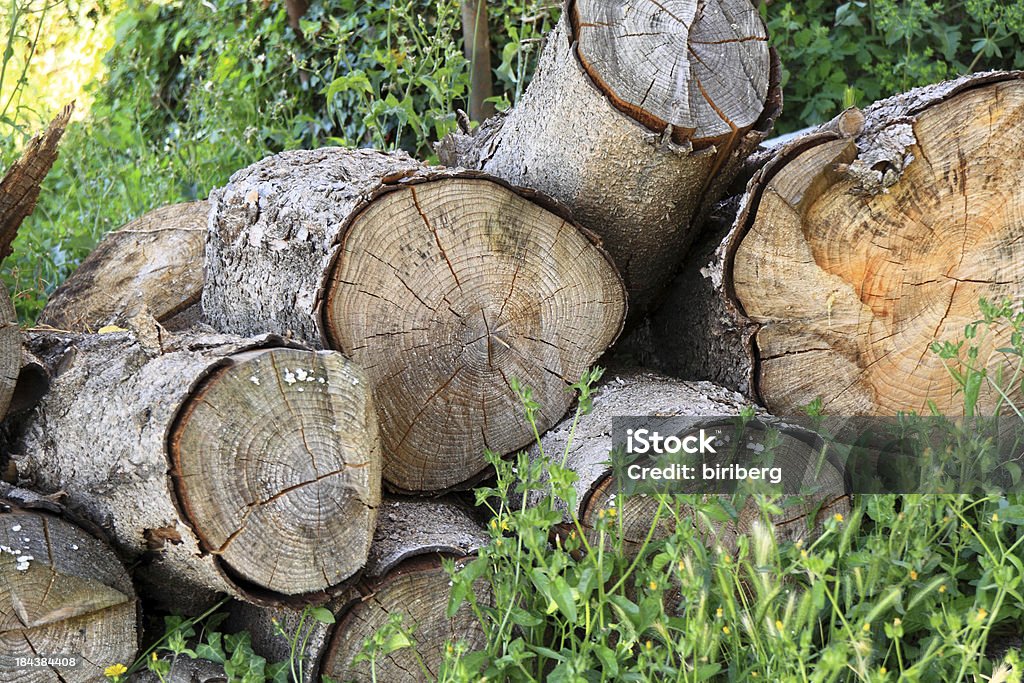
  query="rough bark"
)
[
  {"x": 403, "y": 575},
  {"x": 10, "y": 350},
  {"x": 637, "y": 392},
  {"x": 63, "y": 592},
  {"x": 443, "y": 285},
  {"x": 19, "y": 188},
  {"x": 853, "y": 249},
  {"x": 153, "y": 263},
  {"x": 636, "y": 146},
  {"x": 248, "y": 466}
]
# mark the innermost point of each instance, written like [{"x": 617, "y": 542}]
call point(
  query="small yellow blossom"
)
[
  {"x": 779, "y": 625},
  {"x": 913, "y": 575},
  {"x": 753, "y": 674},
  {"x": 601, "y": 513},
  {"x": 838, "y": 517},
  {"x": 653, "y": 585},
  {"x": 803, "y": 554},
  {"x": 942, "y": 588},
  {"x": 897, "y": 621},
  {"x": 995, "y": 516},
  {"x": 982, "y": 613},
  {"x": 799, "y": 543},
  {"x": 649, "y": 645},
  {"x": 494, "y": 524},
  {"x": 718, "y": 612},
  {"x": 882, "y": 670},
  {"x": 866, "y": 627},
  {"x": 153, "y": 657},
  {"x": 725, "y": 630},
  {"x": 115, "y": 671}
]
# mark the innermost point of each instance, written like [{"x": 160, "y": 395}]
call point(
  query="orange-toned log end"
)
[
  {"x": 418, "y": 590},
  {"x": 64, "y": 594},
  {"x": 446, "y": 293},
  {"x": 701, "y": 68},
  {"x": 851, "y": 281},
  {"x": 277, "y": 466}
]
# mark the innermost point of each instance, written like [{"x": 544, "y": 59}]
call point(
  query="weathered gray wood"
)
[
  {"x": 444, "y": 285},
  {"x": 153, "y": 263},
  {"x": 638, "y": 167},
  {"x": 828, "y": 280},
  {"x": 10, "y": 350},
  {"x": 63, "y": 593},
  {"x": 220, "y": 463}
]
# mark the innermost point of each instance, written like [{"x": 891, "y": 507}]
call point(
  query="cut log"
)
[
  {"x": 852, "y": 253},
  {"x": 443, "y": 285},
  {"x": 403, "y": 575},
  {"x": 248, "y": 466},
  {"x": 639, "y": 115},
  {"x": 640, "y": 393},
  {"x": 185, "y": 670},
  {"x": 64, "y": 596},
  {"x": 153, "y": 263}
]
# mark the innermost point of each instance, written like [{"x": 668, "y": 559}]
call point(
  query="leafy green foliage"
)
[{"x": 839, "y": 54}]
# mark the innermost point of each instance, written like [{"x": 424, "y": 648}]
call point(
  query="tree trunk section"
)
[
  {"x": 403, "y": 575},
  {"x": 638, "y": 116},
  {"x": 638, "y": 393},
  {"x": 154, "y": 263},
  {"x": 445, "y": 286},
  {"x": 854, "y": 249},
  {"x": 248, "y": 466},
  {"x": 63, "y": 594}
]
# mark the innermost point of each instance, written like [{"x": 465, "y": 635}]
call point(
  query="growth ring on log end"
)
[
  {"x": 700, "y": 67},
  {"x": 861, "y": 253},
  {"x": 445, "y": 292},
  {"x": 277, "y": 467}
]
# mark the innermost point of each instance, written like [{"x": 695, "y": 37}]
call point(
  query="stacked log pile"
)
[{"x": 228, "y": 387}]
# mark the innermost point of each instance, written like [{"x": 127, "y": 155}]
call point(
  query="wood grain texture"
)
[
  {"x": 635, "y": 181},
  {"x": 154, "y": 262},
  {"x": 63, "y": 591},
  {"x": 852, "y": 275},
  {"x": 10, "y": 350},
  {"x": 447, "y": 291},
  {"x": 699, "y": 68},
  {"x": 268, "y": 465}
]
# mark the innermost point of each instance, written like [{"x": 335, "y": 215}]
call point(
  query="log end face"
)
[{"x": 277, "y": 466}]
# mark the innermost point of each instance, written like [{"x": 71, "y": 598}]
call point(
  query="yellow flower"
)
[
  {"x": 115, "y": 670},
  {"x": 653, "y": 585},
  {"x": 942, "y": 588},
  {"x": 995, "y": 516},
  {"x": 866, "y": 627},
  {"x": 913, "y": 575},
  {"x": 649, "y": 645},
  {"x": 779, "y": 625},
  {"x": 881, "y": 670},
  {"x": 897, "y": 621},
  {"x": 153, "y": 657},
  {"x": 838, "y": 517},
  {"x": 494, "y": 524},
  {"x": 803, "y": 554},
  {"x": 982, "y": 613},
  {"x": 799, "y": 543},
  {"x": 504, "y": 525},
  {"x": 725, "y": 630},
  {"x": 601, "y": 513},
  {"x": 718, "y": 612}
]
